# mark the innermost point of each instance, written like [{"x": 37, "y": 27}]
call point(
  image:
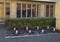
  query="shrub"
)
[{"x": 30, "y": 22}]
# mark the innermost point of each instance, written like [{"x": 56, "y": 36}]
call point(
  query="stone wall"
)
[{"x": 57, "y": 14}]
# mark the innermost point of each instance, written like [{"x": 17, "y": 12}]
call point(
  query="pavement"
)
[{"x": 50, "y": 37}]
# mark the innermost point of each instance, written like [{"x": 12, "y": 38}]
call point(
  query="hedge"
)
[{"x": 30, "y": 22}]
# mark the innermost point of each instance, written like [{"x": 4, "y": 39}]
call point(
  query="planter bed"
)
[{"x": 33, "y": 32}]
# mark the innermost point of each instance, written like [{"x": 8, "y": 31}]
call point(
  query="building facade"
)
[{"x": 30, "y": 8}]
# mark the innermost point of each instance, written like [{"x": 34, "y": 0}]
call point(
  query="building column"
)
[
  {"x": 49, "y": 10},
  {"x": 36, "y": 10},
  {"x": 4, "y": 8},
  {"x": 42, "y": 10},
  {"x": 16, "y": 8},
  {"x": 26, "y": 10},
  {"x": 39, "y": 10},
  {"x": 13, "y": 9},
  {"x": 57, "y": 14},
  {"x": 31, "y": 10},
  {"x": 10, "y": 9},
  {"x": 21, "y": 10}
]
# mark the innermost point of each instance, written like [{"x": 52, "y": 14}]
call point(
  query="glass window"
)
[
  {"x": 34, "y": 10},
  {"x": 29, "y": 10},
  {"x": 18, "y": 10},
  {"x": 51, "y": 11},
  {"x": 23, "y": 10},
  {"x": 47, "y": 10},
  {"x": 7, "y": 10}
]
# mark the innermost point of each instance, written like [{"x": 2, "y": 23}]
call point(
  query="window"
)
[
  {"x": 49, "y": 10},
  {"x": 7, "y": 10},
  {"x": 23, "y": 10},
  {"x": 34, "y": 10},
  {"x": 29, "y": 10},
  {"x": 18, "y": 10},
  {"x": 26, "y": 10}
]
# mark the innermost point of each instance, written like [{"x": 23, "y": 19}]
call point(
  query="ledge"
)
[{"x": 46, "y": 0}]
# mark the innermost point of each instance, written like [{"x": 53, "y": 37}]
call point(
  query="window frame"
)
[
  {"x": 49, "y": 10},
  {"x": 36, "y": 15}
]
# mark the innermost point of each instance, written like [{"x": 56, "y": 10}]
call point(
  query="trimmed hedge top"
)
[{"x": 30, "y": 22}]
